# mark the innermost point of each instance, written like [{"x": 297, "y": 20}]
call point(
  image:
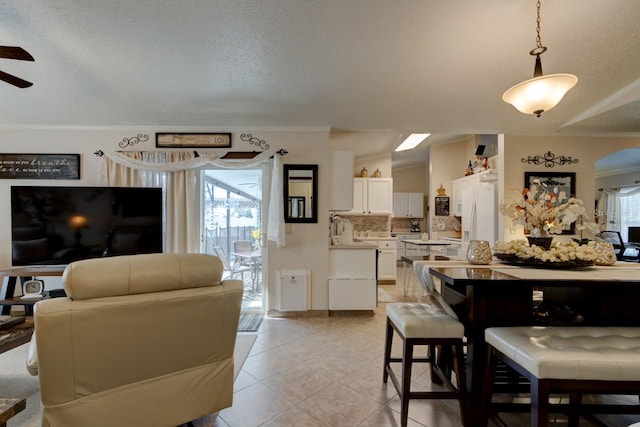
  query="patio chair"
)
[
  {"x": 245, "y": 256},
  {"x": 230, "y": 271}
]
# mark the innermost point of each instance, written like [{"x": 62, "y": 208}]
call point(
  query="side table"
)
[
  {"x": 10, "y": 278},
  {"x": 9, "y": 408}
]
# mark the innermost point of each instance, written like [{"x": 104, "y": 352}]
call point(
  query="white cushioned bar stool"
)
[
  {"x": 567, "y": 359},
  {"x": 432, "y": 324}
]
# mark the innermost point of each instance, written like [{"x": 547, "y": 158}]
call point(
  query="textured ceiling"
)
[{"x": 436, "y": 66}]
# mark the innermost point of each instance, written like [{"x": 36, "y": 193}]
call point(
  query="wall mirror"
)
[{"x": 300, "y": 193}]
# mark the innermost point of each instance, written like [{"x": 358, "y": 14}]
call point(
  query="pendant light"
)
[{"x": 541, "y": 93}]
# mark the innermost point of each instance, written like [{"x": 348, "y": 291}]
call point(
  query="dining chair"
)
[
  {"x": 230, "y": 271},
  {"x": 243, "y": 247}
]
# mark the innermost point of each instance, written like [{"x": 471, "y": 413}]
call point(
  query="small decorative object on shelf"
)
[
  {"x": 479, "y": 252},
  {"x": 377, "y": 173},
  {"x": 364, "y": 173},
  {"x": 441, "y": 190},
  {"x": 469, "y": 170}
]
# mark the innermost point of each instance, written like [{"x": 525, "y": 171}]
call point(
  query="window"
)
[{"x": 629, "y": 213}]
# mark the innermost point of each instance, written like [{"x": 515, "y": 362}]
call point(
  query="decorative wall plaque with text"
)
[{"x": 39, "y": 166}]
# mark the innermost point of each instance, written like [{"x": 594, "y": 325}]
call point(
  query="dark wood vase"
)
[{"x": 542, "y": 242}]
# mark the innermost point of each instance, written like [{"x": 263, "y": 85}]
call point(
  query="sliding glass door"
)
[{"x": 232, "y": 224}]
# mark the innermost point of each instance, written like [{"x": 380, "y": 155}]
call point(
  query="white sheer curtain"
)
[
  {"x": 175, "y": 172},
  {"x": 618, "y": 208}
]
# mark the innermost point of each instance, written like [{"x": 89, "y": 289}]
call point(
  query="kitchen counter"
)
[
  {"x": 373, "y": 238},
  {"x": 356, "y": 245}
]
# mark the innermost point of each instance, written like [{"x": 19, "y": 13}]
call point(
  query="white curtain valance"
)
[
  {"x": 165, "y": 161},
  {"x": 127, "y": 158}
]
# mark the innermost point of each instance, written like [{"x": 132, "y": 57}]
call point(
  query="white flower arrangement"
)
[
  {"x": 542, "y": 210},
  {"x": 559, "y": 251}
]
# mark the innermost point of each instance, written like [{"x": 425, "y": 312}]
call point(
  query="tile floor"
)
[{"x": 327, "y": 371}]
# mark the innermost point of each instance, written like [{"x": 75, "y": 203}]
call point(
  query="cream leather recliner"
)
[{"x": 142, "y": 340}]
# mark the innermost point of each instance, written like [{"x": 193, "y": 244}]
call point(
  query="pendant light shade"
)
[{"x": 541, "y": 93}]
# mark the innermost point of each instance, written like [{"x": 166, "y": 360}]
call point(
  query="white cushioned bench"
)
[{"x": 574, "y": 359}]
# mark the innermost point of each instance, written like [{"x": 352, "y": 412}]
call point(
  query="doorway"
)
[{"x": 232, "y": 220}]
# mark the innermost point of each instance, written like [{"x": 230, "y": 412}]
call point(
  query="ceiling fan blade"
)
[
  {"x": 15, "y": 52},
  {"x": 16, "y": 81}
]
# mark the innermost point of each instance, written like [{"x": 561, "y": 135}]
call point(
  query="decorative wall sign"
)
[
  {"x": 127, "y": 142},
  {"x": 247, "y": 137},
  {"x": 549, "y": 160},
  {"x": 442, "y": 206},
  {"x": 39, "y": 166},
  {"x": 193, "y": 140}
]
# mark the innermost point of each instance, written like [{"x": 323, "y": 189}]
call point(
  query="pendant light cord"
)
[{"x": 538, "y": 38}]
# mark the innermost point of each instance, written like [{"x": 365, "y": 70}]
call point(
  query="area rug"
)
[
  {"x": 15, "y": 381},
  {"x": 250, "y": 322}
]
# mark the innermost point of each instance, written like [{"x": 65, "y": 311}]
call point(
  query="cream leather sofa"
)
[{"x": 143, "y": 340}]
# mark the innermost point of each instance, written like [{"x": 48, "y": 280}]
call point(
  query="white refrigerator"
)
[{"x": 480, "y": 214}]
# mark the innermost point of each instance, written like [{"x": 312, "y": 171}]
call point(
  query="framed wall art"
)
[
  {"x": 564, "y": 181},
  {"x": 39, "y": 166},
  {"x": 442, "y": 206},
  {"x": 193, "y": 140}
]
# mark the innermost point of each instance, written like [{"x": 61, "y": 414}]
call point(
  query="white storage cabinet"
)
[
  {"x": 387, "y": 260},
  {"x": 352, "y": 279},
  {"x": 372, "y": 196},
  {"x": 408, "y": 205}
]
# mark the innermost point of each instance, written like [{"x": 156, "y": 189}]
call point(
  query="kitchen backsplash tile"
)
[{"x": 370, "y": 222}]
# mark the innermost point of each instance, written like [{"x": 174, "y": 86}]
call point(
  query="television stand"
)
[{"x": 10, "y": 278}]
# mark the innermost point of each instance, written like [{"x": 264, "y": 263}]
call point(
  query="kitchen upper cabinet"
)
[
  {"x": 372, "y": 196},
  {"x": 408, "y": 205}
]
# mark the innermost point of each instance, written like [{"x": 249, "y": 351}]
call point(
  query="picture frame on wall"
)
[
  {"x": 39, "y": 166},
  {"x": 193, "y": 140},
  {"x": 564, "y": 181}
]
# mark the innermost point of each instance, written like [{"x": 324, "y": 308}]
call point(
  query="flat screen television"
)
[
  {"x": 634, "y": 235},
  {"x": 59, "y": 225}
]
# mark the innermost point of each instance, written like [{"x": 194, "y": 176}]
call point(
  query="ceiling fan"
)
[{"x": 14, "y": 52}]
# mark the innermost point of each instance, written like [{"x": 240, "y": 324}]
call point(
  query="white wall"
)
[
  {"x": 586, "y": 149},
  {"x": 381, "y": 163},
  {"x": 307, "y": 244}
]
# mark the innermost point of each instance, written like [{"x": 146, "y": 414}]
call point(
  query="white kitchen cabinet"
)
[
  {"x": 372, "y": 196},
  {"x": 408, "y": 205},
  {"x": 352, "y": 279},
  {"x": 387, "y": 263},
  {"x": 356, "y": 293}
]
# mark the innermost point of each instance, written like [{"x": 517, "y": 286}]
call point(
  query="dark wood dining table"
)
[{"x": 501, "y": 295}]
